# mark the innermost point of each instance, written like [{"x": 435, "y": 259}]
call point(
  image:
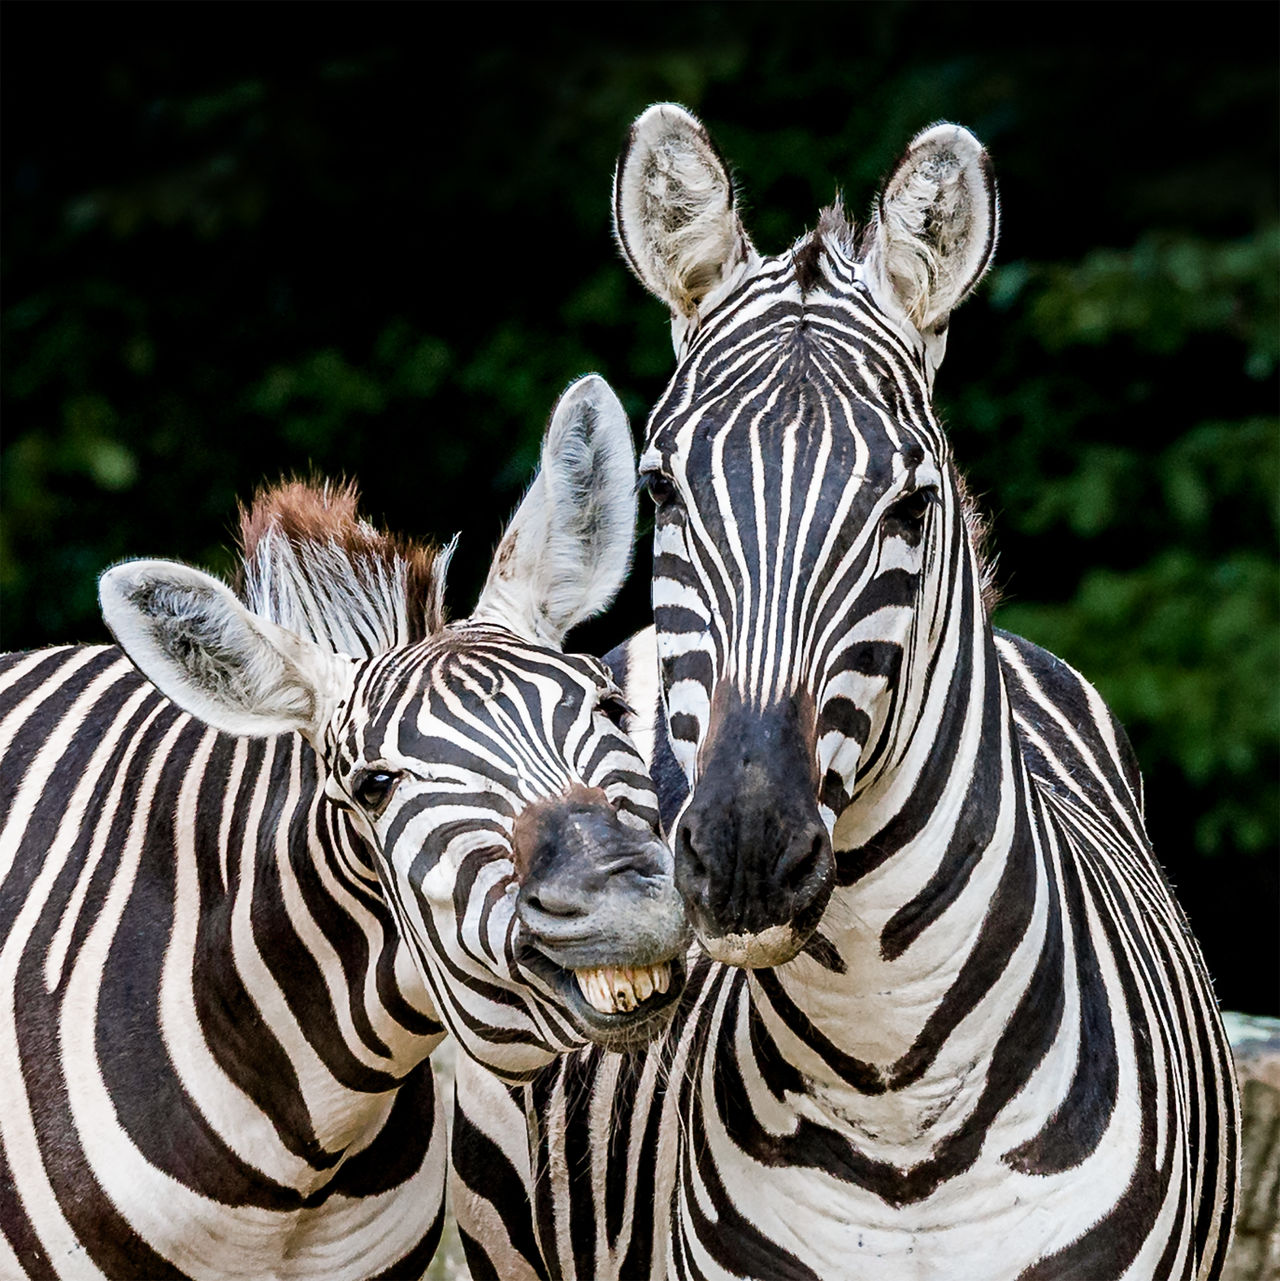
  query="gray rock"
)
[{"x": 1255, "y": 1253}]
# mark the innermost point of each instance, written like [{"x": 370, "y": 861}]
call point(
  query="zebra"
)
[
  {"x": 949, "y": 1021},
  {"x": 248, "y": 885}
]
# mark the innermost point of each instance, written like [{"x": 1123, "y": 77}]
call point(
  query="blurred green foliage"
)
[
  {"x": 379, "y": 246},
  {"x": 1178, "y": 619}
]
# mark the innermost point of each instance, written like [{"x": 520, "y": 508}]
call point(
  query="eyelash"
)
[{"x": 911, "y": 509}]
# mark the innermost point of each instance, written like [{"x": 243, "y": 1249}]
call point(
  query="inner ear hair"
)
[
  {"x": 190, "y": 636},
  {"x": 674, "y": 209},
  {"x": 257, "y": 678},
  {"x": 935, "y": 227}
]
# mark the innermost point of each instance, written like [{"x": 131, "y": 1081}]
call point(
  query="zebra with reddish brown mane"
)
[{"x": 245, "y": 891}]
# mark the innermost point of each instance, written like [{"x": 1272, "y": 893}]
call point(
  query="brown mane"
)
[{"x": 346, "y": 563}]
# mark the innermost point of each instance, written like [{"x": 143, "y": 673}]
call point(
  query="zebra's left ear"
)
[
  {"x": 568, "y": 547},
  {"x": 189, "y": 635},
  {"x": 934, "y": 229}
]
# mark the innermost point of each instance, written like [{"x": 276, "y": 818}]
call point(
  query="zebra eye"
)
[
  {"x": 372, "y": 789},
  {"x": 906, "y": 515},
  {"x": 661, "y": 488},
  {"x": 615, "y": 707}
]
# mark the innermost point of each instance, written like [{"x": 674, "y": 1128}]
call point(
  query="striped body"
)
[
  {"x": 229, "y": 944},
  {"x": 960, "y": 1028},
  {"x": 801, "y": 1123},
  {"x": 214, "y": 1042}
]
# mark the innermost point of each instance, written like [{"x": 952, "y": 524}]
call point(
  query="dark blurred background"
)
[{"x": 241, "y": 241}]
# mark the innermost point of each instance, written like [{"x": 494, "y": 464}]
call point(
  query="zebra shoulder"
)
[
  {"x": 1065, "y": 722},
  {"x": 634, "y": 665}
]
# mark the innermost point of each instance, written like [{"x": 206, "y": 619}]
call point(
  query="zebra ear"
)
[
  {"x": 568, "y": 547},
  {"x": 934, "y": 228},
  {"x": 189, "y": 635},
  {"x": 673, "y": 209}
]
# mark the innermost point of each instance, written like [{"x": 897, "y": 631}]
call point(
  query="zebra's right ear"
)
[
  {"x": 673, "y": 209},
  {"x": 189, "y": 635}
]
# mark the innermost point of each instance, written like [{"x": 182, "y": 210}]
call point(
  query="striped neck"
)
[
  {"x": 939, "y": 914},
  {"x": 292, "y": 938}
]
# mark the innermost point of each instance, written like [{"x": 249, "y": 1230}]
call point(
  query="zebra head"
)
[
  {"x": 509, "y": 819},
  {"x": 810, "y": 525}
]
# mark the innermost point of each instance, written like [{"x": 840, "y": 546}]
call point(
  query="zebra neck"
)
[
  {"x": 287, "y": 929},
  {"x": 937, "y": 920}
]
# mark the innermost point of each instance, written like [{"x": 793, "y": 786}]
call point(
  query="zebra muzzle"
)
[{"x": 621, "y": 989}]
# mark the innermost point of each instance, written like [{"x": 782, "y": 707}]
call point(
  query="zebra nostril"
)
[
  {"x": 800, "y": 862},
  {"x": 693, "y": 876},
  {"x": 548, "y": 903},
  {"x": 690, "y": 861}
]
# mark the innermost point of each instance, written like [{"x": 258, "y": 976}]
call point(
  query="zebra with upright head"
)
[
  {"x": 952, "y": 1022},
  {"x": 231, "y": 935}
]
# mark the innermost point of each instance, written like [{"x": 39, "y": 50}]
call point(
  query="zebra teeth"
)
[
  {"x": 619, "y": 990},
  {"x": 642, "y": 984},
  {"x": 593, "y": 985}
]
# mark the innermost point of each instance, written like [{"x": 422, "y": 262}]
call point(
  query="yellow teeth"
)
[{"x": 618, "y": 990}]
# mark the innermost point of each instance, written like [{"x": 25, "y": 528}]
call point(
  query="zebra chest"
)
[
  {"x": 925, "y": 1182},
  {"x": 800, "y": 1224}
]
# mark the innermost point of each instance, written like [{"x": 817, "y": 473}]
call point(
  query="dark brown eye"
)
[
  {"x": 615, "y": 707},
  {"x": 373, "y": 788},
  {"x": 660, "y": 488},
  {"x": 906, "y": 515}
]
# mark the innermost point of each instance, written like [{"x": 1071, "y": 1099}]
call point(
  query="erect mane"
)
[
  {"x": 312, "y": 564},
  {"x": 834, "y": 231},
  {"x": 978, "y": 528}
]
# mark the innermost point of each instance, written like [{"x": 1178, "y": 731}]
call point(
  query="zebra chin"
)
[
  {"x": 766, "y": 928},
  {"x": 765, "y": 945},
  {"x": 773, "y": 946},
  {"x": 614, "y": 960}
]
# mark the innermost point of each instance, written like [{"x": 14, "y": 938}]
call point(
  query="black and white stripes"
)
[
  {"x": 226, "y": 956},
  {"x": 955, "y": 1025},
  {"x": 215, "y": 1049}
]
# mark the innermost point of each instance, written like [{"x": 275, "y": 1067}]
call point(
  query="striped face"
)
[
  {"x": 802, "y": 498},
  {"x": 514, "y": 830},
  {"x": 809, "y": 524}
]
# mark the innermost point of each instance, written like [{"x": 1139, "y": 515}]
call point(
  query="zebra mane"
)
[
  {"x": 978, "y": 527},
  {"x": 311, "y": 563}
]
